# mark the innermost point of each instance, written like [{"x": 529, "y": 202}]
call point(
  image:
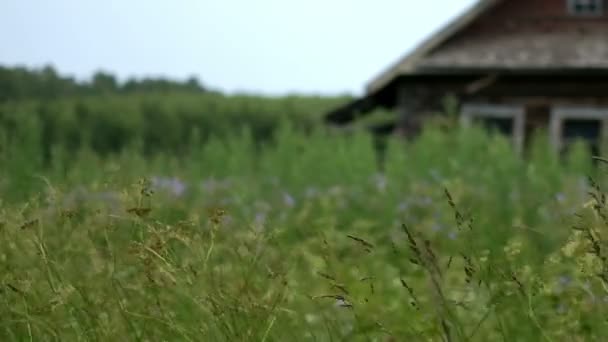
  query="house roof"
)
[
  {"x": 500, "y": 50},
  {"x": 408, "y": 62},
  {"x": 544, "y": 50}
]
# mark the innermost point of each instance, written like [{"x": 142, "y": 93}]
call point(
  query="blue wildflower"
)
[
  {"x": 288, "y": 200},
  {"x": 564, "y": 280},
  {"x": 171, "y": 185},
  {"x": 403, "y": 206},
  {"x": 436, "y": 227}
]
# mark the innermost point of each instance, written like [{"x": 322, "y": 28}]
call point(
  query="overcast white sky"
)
[{"x": 262, "y": 46}]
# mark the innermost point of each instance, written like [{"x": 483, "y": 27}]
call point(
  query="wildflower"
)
[
  {"x": 436, "y": 227},
  {"x": 436, "y": 175},
  {"x": 260, "y": 218},
  {"x": 563, "y": 283},
  {"x": 564, "y": 280},
  {"x": 380, "y": 181},
  {"x": 172, "y": 185},
  {"x": 403, "y": 206},
  {"x": 288, "y": 200},
  {"x": 560, "y": 197},
  {"x": 311, "y": 192},
  {"x": 177, "y": 187}
]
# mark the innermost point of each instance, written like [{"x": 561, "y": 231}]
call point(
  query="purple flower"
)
[
  {"x": 437, "y": 227},
  {"x": 288, "y": 200},
  {"x": 172, "y": 185},
  {"x": 177, "y": 187}
]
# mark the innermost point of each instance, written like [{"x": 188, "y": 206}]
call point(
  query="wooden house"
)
[{"x": 517, "y": 65}]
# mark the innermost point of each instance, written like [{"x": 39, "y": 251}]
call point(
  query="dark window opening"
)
[
  {"x": 497, "y": 125},
  {"x": 587, "y": 130},
  {"x": 586, "y": 7}
]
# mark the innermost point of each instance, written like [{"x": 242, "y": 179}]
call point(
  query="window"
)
[
  {"x": 588, "y": 131},
  {"x": 586, "y": 7},
  {"x": 497, "y": 124}
]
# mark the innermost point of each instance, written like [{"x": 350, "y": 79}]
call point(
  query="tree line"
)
[
  {"x": 18, "y": 83},
  {"x": 59, "y": 112}
]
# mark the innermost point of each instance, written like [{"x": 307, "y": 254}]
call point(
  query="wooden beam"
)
[{"x": 481, "y": 84}]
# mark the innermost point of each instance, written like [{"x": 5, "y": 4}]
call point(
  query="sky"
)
[{"x": 326, "y": 47}]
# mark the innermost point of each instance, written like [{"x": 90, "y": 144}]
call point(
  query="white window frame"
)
[
  {"x": 598, "y": 4},
  {"x": 471, "y": 111},
  {"x": 559, "y": 114}
]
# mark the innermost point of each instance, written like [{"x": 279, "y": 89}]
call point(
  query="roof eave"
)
[{"x": 407, "y": 64}]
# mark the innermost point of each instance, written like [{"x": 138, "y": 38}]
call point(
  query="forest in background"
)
[{"x": 159, "y": 114}]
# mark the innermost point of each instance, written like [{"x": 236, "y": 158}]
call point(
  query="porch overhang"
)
[
  {"x": 471, "y": 83},
  {"x": 350, "y": 111},
  {"x": 382, "y": 99}
]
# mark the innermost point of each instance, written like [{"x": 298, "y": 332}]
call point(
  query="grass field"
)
[{"x": 458, "y": 239}]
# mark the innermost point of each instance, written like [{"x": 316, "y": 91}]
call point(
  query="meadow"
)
[
  {"x": 162, "y": 211},
  {"x": 303, "y": 238}
]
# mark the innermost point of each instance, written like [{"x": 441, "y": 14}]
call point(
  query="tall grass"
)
[{"x": 302, "y": 238}]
